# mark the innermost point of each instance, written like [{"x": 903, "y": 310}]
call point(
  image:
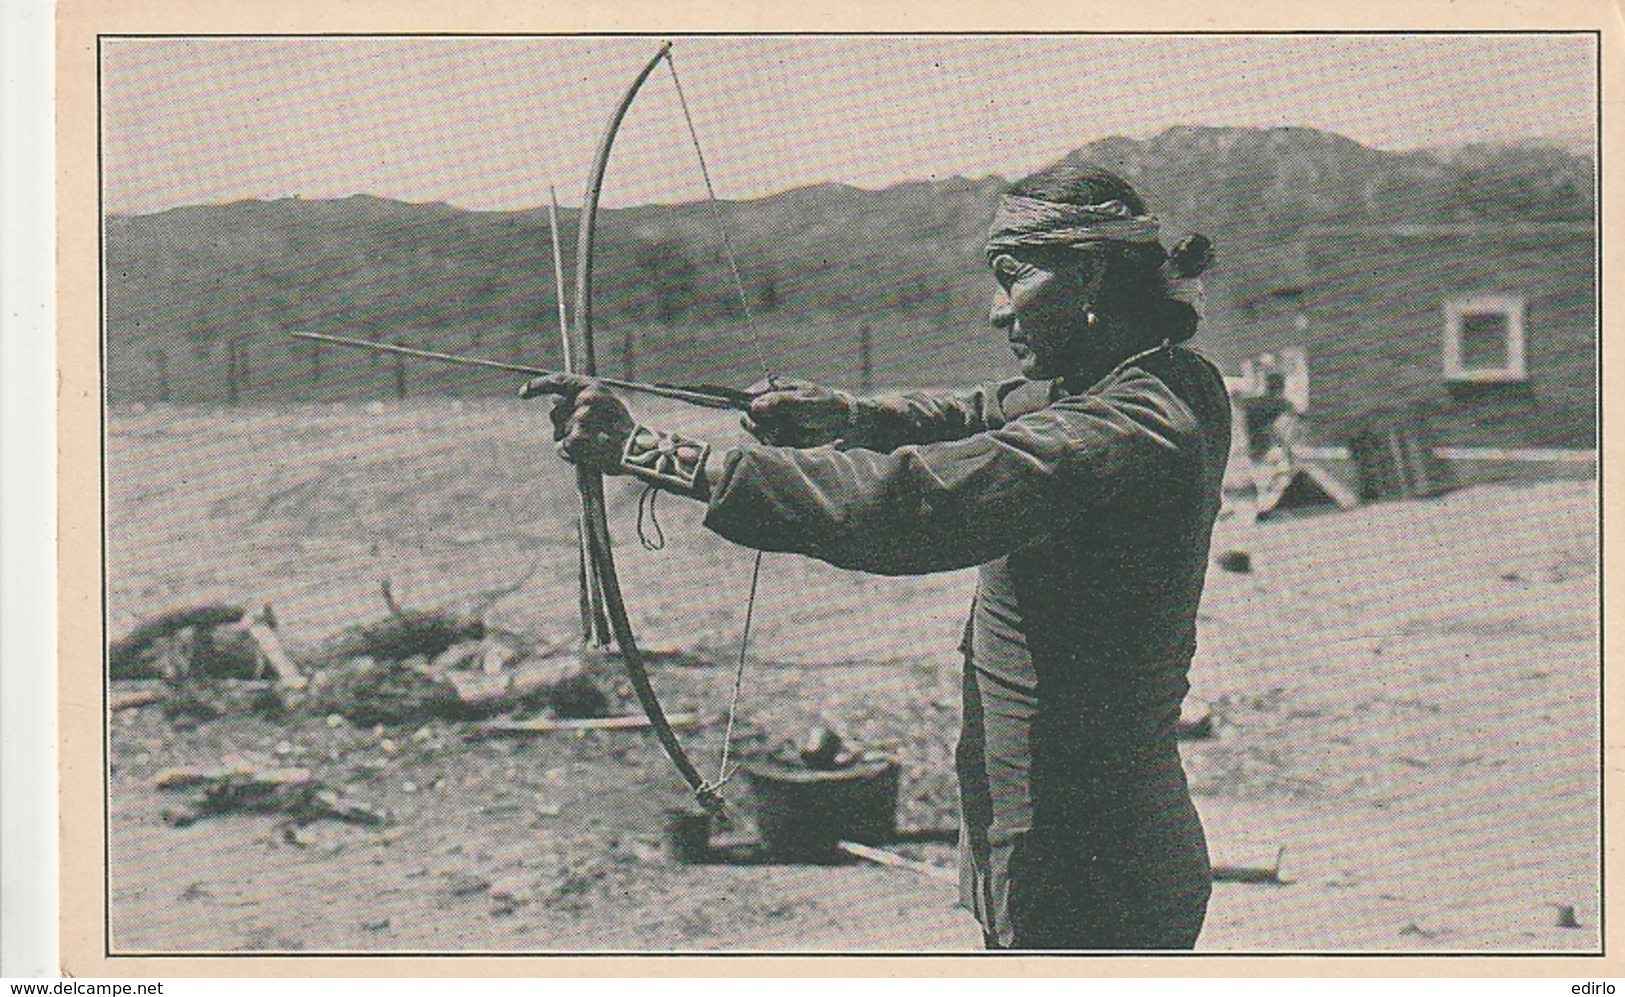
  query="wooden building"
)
[{"x": 1480, "y": 342}]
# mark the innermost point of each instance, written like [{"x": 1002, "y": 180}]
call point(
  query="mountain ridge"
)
[{"x": 200, "y": 299}]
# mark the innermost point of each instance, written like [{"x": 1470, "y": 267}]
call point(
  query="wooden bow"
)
[{"x": 590, "y": 484}]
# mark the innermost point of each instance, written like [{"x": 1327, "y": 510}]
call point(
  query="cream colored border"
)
[{"x": 80, "y": 642}]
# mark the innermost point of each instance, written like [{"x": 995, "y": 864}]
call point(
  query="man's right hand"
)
[{"x": 797, "y": 414}]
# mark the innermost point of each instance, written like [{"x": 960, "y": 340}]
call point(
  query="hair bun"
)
[{"x": 1193, "y": 255}]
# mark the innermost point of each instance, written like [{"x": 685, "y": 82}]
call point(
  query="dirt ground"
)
[{"x": 1405, "y": 700}]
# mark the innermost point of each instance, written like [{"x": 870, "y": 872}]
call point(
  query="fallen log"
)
[
  {"x": 403, "y": 636},
  {"x": 550, "y": 725},
  {"x": 129, "y": 699},
  {"x": 526, "y": 680},
  {"x": 1265, "y": 873},
  {"x": 188, "y": 776},
  {"x": 892, "y": 860},
  {"x": 124, "y": 655},
  {"x": 410, "y": 633},
  {"x": 262, "y": 627},
  {"x": 369, "y": 691},
  {"x": 214, "y": 698},
  {"x": 249, "y": 789}
]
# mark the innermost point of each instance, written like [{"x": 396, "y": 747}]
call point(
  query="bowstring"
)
[{"x": 717, "y": 219}]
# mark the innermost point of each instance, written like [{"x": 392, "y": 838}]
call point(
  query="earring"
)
[{"x": 1090, "y": 319}]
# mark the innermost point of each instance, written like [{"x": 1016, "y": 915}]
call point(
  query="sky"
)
[{"x": 489, "y": 123}]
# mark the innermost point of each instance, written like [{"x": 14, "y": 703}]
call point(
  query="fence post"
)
[
  {"x": 161, "y": 358},
  {"x": 400, "y": 375},
  {"x": 865, "y": 354}
]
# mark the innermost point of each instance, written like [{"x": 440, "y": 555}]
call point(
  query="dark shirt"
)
[{"x": 1089, "y": 509}]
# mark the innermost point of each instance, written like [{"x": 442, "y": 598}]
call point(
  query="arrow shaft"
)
[{"x": 709, "y": 397}]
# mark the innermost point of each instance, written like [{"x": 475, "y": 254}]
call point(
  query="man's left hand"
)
[{"x": 590, "y": 424}]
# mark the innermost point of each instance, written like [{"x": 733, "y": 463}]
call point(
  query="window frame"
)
[{"x": 1513, "y": 308}]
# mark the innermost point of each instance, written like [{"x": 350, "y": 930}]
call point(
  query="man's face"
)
[{"x": 1041, "y": 302}]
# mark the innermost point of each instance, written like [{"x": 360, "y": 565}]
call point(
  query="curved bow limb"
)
[{"x": 590, "y": 484}]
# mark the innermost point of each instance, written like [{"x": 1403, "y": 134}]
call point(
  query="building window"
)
[{"x": 1484, "y": 339}]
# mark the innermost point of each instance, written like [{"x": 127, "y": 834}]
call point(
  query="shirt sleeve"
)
[
  {"x": 888, "y": 422},
  {"x": 941, "y": 506}
]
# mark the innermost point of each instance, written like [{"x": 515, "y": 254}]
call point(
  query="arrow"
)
[{"x": 705, "y": 396}]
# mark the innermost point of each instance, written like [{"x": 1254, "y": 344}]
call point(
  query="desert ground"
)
[{"x": 1405, "y": 704}]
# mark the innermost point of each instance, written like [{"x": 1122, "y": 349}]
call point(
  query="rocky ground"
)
[{"x": 1405, "y": 701}]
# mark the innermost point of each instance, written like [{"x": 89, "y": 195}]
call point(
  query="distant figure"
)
[
  {"x": 1261, "y": 412},
  {"x": 1085, "y": 489},
  {"x": 1274, "y": 428}
]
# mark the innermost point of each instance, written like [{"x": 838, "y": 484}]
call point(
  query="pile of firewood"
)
[
  {"x": 245, "y": 788},
  {"x": 212, "y": 640},
  {"x": 408, "y": 666}
]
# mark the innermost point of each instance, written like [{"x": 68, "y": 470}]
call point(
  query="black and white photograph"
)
[{"x": 931, "y": 492}]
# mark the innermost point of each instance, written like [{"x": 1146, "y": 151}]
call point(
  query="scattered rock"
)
[
  {"x": 820, "y": 748},
  {"x": 179, "y": 816},
  {"x": 495, "y": 657},
  {"x": 196, "y": 891},
  {"x": 465, "y": 884},
  {"x": 1235, "y": 561},
  {"x": 508, "y": 895},
  {"x": 1195, "y": 721},
  {"x": 297, "y": 836}
]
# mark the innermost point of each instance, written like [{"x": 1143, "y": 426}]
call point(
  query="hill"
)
[{"x": 199, "y": 300}]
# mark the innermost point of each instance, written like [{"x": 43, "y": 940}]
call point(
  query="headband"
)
[{"x": 1025, "y": 222}]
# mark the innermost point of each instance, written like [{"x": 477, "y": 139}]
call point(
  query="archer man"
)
[{"x": 1085, "y": 490}]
